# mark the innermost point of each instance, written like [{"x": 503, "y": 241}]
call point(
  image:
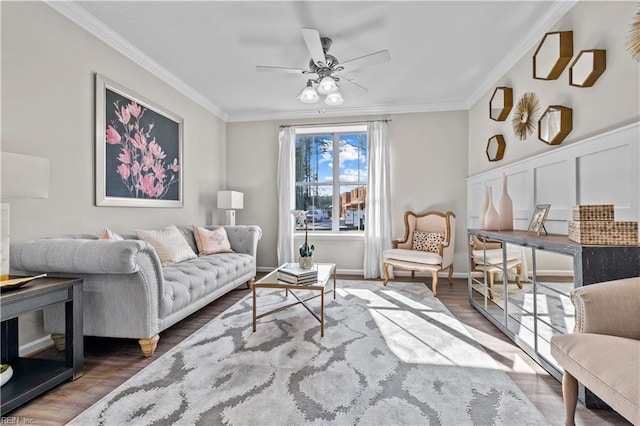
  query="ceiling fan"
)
[{"x": 324, "y": 68}]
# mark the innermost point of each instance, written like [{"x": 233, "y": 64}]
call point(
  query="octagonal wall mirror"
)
[
  {"x": 552, "y": 55},
  {"x": 501, "y": 103},
  {"x": 555, "y": 124},
  {"x": 587, "y": 67},
  {"x": 495, "y": 148}
]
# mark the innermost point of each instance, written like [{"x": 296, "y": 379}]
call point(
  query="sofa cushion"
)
[
  {"x": 108, "y": 234},
  {"x": 595, "y": 360},
  {"x": 190, "y": 280},
  {"x": 211, "y": 241},
  {"x": 169, "y": 243}
]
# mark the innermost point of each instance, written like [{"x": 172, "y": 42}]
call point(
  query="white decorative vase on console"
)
[
  {"x": 491, "y": 217},
  {"x": 506, "y": 207},
  {"x": 483, "y": 212}
]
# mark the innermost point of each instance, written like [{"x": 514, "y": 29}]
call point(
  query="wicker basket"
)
[
  {"x": 600, "y": 212},
  {"x": 605, "y": 233}
]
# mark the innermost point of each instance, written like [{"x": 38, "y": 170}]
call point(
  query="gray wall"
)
[
  {"x": 612, "y": 102},
  {"x": 428, "y": 172},
  {"x": 48, "y": 67}
]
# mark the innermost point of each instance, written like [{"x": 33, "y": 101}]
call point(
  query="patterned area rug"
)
[{"x": 390, "y": 356}]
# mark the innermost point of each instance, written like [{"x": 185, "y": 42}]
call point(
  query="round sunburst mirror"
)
[
  {"x": 633, "y": 38},
  {"x": 525, "y": 116}
]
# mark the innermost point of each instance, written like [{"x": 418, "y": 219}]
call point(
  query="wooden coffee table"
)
[{"x": 325, "y": 272}]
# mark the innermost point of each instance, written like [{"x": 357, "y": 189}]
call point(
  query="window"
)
[{"x": 331, "y": 177}]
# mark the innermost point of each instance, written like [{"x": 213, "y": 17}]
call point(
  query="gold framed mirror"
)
[
  {"x": 501, "y": 103},
  {"x": 555, "y": 124},
  {"x": 587, "y": 67},
  {"x": 552, "y": 55},
  {"x": 495, "y": 148}
]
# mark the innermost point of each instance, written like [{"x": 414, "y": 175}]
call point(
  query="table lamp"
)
[
  {"x": 230, "y": 201},
  {"x": 22, "y": 176}
]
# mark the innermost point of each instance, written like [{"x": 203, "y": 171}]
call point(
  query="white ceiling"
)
[{"x": 444, "y": 54}]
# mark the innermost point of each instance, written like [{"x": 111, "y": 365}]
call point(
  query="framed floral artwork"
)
[{"x": 138, "y": 150}]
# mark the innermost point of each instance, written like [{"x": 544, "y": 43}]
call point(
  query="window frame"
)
[{"x": 335, "y": 132}]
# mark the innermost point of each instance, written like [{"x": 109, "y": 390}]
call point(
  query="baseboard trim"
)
[{"x": 35, "y": 346}]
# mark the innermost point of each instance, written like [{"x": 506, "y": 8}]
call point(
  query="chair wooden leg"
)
[
  {"x": 250, "y": 283},
  {"x": 570, "y": 396},
  {"x": 149, "y": 346},
  {"x": 434, "y": 283},
  {"x": 450, "y": 274},
  {"x": 519, "y": 272},
  {"x": 413, "y": 274},
  {"x": 385, "y": 271},
  {"x": 490, "y": 274}
]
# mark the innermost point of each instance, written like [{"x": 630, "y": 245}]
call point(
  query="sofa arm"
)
[
  {"x": 80, "y": 256},
  {"x": 243, "y": 238},
  {"x": 611, "y": 307}
]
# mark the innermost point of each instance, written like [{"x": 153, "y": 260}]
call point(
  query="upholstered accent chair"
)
[
  {"x": 487, "y": 257},
  {"x": 427, "y": 246}
]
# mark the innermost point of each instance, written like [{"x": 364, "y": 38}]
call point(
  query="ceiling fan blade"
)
[
  {"x": 367, "y": 60},
  {"x": 351, "y": 80},
  {"x": 314, "y": 44},
  {"x": 263, "y": 68}
]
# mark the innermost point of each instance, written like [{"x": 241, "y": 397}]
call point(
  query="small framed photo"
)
[{"x": 537, "y": 220}]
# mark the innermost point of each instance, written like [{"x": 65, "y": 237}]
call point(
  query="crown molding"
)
[
  {"x": 531, "y": 39},
  {"x": 96, "y": 27},
  {"x": 347, "y": 112}
]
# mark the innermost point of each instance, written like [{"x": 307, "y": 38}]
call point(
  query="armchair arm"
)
[
  {"x": 611, "y": 308},
  {"x": 80, "y": 256}
]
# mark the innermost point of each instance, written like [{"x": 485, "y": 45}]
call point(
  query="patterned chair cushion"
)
[{"x": 427, "y": 241}]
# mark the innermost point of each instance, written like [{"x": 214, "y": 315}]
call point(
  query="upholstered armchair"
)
[
  {"x": 487, "y": 257},
  {"x": 427, "y": 246}
]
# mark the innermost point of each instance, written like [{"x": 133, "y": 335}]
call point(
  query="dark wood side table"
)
[{"x": 32, "y": 377}]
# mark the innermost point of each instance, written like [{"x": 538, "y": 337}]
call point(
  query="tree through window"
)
[{"x": 331, "y": 178}]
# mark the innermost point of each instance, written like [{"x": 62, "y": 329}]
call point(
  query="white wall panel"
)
[{"x": 599, "y": 170}]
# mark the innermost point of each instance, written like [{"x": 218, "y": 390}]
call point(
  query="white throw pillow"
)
[
  {"x": 169, "y": 243},
  {"x": 211, "y": 241}
]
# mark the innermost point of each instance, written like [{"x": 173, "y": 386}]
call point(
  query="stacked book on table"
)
[{"x": 294, "y": 274}]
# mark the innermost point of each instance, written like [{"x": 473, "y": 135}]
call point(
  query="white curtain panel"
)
[
  {"x": 286, "y": 193},
  {"x": 377, "y": 230}
]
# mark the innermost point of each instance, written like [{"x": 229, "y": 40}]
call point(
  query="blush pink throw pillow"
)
[
  {"x": 211, "y": 241},
  {"x": 108, "y": 234}
]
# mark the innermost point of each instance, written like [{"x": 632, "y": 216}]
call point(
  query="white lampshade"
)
[
  {"x": 231, "y": 200},
  {"x": 309, "y": 95},
  {"x": 327, "y": 85},
  {"x": 334, "y": 99}
]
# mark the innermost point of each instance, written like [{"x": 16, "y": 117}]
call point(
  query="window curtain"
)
[
  {"x": 377, "y": 230},
  {"x": 286, "y": 193}
]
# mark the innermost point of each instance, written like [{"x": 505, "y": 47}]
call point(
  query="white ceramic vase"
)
[
  {"x": 483, "y": 213},
  {"x": 506, "y": 208},
  {"x": 5, "y": 376},
  {"x": 491, "y": 217}
]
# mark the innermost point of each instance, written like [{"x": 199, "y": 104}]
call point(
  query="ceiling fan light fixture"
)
[
  {"x": 309, "y": 95},
  {"x": 327, "y": 85},
  {"x": 334, "y": 98}
]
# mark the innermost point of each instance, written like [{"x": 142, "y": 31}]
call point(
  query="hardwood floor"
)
[{"x": 110, "y": 362}]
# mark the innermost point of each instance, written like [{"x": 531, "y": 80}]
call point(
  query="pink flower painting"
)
[{"x": 137, "y": 154}]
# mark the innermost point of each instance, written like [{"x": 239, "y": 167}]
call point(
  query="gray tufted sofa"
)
[{"x": 126, "y": 292}]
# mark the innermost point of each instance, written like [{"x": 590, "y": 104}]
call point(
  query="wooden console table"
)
[{"x": 32, "y": 377}]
